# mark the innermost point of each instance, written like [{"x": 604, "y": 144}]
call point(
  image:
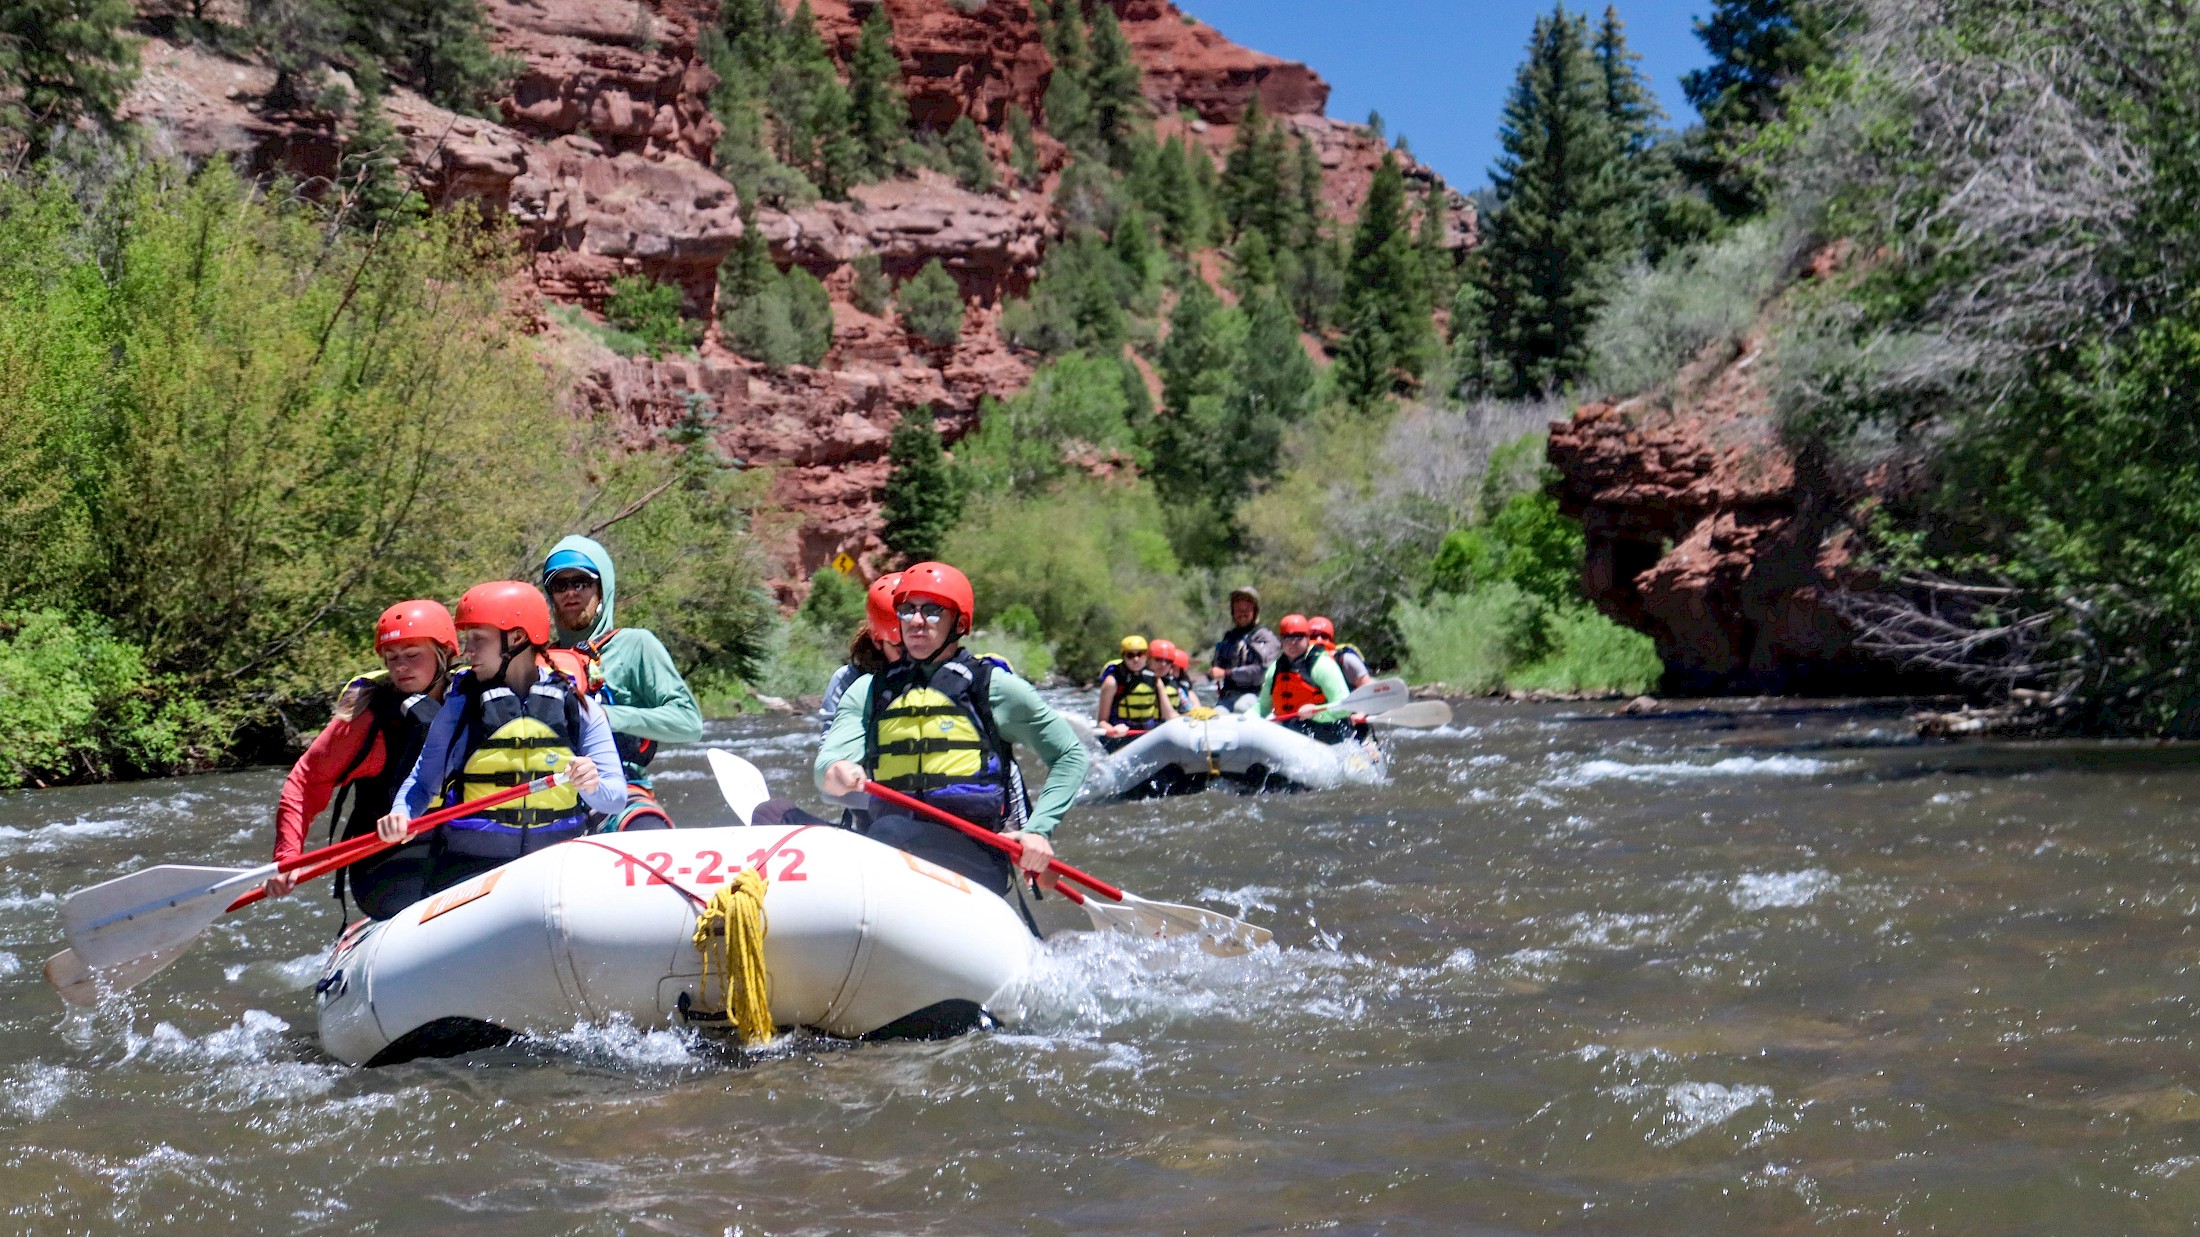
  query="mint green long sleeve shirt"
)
[
  {"x": 1325, "y": 676},
  {"x": 1024, "y": 720}
]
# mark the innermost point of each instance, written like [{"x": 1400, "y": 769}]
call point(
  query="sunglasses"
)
[
  {"x": 927, "y": 611},
  {"x": 570, "y": 584}
]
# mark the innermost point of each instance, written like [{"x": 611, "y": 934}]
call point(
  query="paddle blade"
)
[
  {"x": 80, "y": 984},
  {"x": 740, "y": 782},
  {"x": 1376, "y": 696},
  {"x": 1420, "y": 715},
  {"x": 146, "y": 912},
  {"x": 1218, "y": 934}
]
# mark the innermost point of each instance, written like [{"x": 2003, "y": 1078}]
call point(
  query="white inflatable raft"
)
[
  {"x": 861, "y": 939},
  {"x": 1188, "y": 752}
]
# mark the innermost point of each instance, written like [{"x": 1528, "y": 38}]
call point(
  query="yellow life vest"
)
[
  {"x": 1137, "y": 696},
  {"x": 929, "y": 736},
  {"x": 506, "y": 741}
]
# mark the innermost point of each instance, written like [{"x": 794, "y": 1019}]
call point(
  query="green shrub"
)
[
  {"x": 923, "y": 498},
  {"x": 75, "y": 702},
  {"x": 967, "y": 155},
  {"x": 835, "y": 603},
  {"x": 1075, "y": 410},
  {"x": 932, "y": 305},
  {"x": 1661, "y": 316},
  {"x": 797, "y": 659},
  {"x": 1472, "y": 642},
  {"x": 1591, "y": 653},
  {"x": 650, "y": 312},
  {"x": 789, "y": 321}
]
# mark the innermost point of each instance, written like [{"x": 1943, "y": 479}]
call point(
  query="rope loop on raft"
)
[{"x": 729, "y": 934}]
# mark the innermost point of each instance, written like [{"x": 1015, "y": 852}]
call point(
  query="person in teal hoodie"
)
[{"x": 648, "y": 701}]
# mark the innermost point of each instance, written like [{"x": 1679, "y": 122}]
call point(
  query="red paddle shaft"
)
[
  {"x": 996, "y": 841},
  {"x": 318, "y": 863}
]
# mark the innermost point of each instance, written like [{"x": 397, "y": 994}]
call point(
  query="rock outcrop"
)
[
  {"x": 1704, "y": 532},
  {"x": 601, "y": 157}
]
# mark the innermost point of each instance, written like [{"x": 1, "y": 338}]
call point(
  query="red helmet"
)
[
  {"x": 941, "y": 583},
  {"x": 507, "y": 605},
  {"x": 1322, "y": 628},
  {"x": 878, "y": 608},
  {"x": 1182, "y": 659},
  {"x": 1163, "y": 652},
  {"x": 416, "y": 620},
  {"x": 1294, "y": 625}
]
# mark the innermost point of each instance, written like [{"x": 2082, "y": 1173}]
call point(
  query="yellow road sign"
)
[{"x": 844, "y": 563}]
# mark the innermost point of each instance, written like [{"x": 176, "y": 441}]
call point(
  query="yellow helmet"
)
[{"x": 1133, "y": 644}]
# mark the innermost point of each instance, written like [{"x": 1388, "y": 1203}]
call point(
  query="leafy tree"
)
[
  {"x": 879, "y": 115},
  {"x": 966, "y": 153},
  {"x": 834, "y": 604},
  {"x": 650, "y": 311},
  {"x": 1561, "y": 220},
  {"x": 871, "y": 289},
  {"x": 932, "y": 305},
  {"x": 443, "y": 45},
  {"x": 61, "y": 60},
  {"x": 922, "y": 502}
]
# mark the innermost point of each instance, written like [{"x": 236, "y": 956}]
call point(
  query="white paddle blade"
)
[
  {"x": 1376, "y": 696},
  {"x": 82, "y": 985},
  {"x": 1218, "y": 934},
  {"x": 739, "y": 781},
  {"x": 1419, "y": 715},
  {"x": 150, "y": 911}
]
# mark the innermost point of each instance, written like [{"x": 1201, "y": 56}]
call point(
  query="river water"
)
[{"x": 1752, "y": 968}]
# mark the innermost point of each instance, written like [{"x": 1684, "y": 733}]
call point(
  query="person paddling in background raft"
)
[
  {"x": 1131, "y": 695},
  {"x": 942, "y": 726},
  {"x": 364, "y": 753},
  {"x": 643, "y": 695},
  {"x": 1243, "y": 654},
  {"x": 1301, "y": 684},
  {"x": 507, "y": 720},
  {"x": 877, "y": 645},
  {"x": 1350, "y": 662}
]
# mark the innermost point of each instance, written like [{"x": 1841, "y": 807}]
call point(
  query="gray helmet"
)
[{"x": 1249, "y": 593}]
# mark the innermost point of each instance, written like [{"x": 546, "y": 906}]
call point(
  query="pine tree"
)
[
  {"x": 921, "y": 503},
  {"x": 1068, "y": 98},
  {"x": 1561, "y": 220},
  {"x": 871, "y": 289},
  {"x": 61, "y": 60},
  {"x": 296, "y": 38},
  {"x": 1190, "y": 438},
  {"x": 932, "y": 305},
  {"x": 1271, "y": 388},
  {"x": 1759, "y": 48},
  {"x": 1194, "y": 360},
  {"x": 810, "y": 109},
  {"x": 1022, "y": 147},
  {"x": 1255, "y": 263},
  {"x": 1633, "y": 114},
  {"x": 966, "y": 153},
  {"x": 1364, "y": 368},
  {"x": 1257, "y": 189},
  {"x": 369, "y": 174},
  {"x": 442, "y": 44},
  {"x": 1433, "y": 242},
  {"x": 1112, "y": 83},
  {"x": 1388, "y": 276},
  {"x": 748, "y": 269},
  {"x": 879, "y": 115}
]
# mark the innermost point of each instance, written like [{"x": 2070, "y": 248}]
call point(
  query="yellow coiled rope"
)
[{"x": 730, "y": 933}]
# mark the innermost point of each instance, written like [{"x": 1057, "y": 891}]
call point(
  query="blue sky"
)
[{"x": 1439, "y": 72}]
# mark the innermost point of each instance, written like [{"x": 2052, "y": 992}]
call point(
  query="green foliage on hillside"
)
[
  {"x": 237, "y": 432},
  {"x": 923, "y": 499}
]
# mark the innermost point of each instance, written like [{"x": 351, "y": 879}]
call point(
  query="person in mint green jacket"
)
[{"x": 644, "y": 694}]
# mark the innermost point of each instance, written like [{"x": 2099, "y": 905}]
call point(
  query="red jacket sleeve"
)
[{"x": 318, "y": 775}]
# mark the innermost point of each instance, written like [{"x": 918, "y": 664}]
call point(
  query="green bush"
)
[
  {"x": 1591, "y": 653},
  {"x": 1527, "y": 543},
  {"x": 1471, "y": 642},
  {"x": 871, "y": 290},
  {"x": 1075, "y": 411},
  {"x": 650, "y": 312},
  {"x": 797, "y": 658},
  {"x": 1661, "y": 316},
  {"x": 789, "y": 321},
  {"x": 967, "y": 155},
  {"x": 75, "y": 702},
  {"x": 835, "y": 603},
  {"x": 932, "y": 305}
]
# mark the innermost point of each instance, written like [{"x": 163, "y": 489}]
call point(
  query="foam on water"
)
[
  {"x": 1590, "y": 772},
  {"x": 1757, "y": 891},
  {"x": 33, "y": 1088},
  {"x": 10, "y": 964},
  {"x": 624, "y": 1045},
  {"x": 1686, "y": 1109}
]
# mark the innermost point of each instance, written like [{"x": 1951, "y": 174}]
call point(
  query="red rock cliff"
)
[{"x": 602, "y": 159}]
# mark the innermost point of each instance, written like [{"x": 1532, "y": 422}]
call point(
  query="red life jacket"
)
[{"x": 1294, "y": 686}]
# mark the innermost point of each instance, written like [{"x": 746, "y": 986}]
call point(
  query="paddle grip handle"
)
[
  {"x": 315, "y": 864},
  {"x": 1015, "y": 850}
]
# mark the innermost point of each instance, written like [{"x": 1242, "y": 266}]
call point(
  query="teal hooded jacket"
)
[{"x": 649, "y": 698}]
